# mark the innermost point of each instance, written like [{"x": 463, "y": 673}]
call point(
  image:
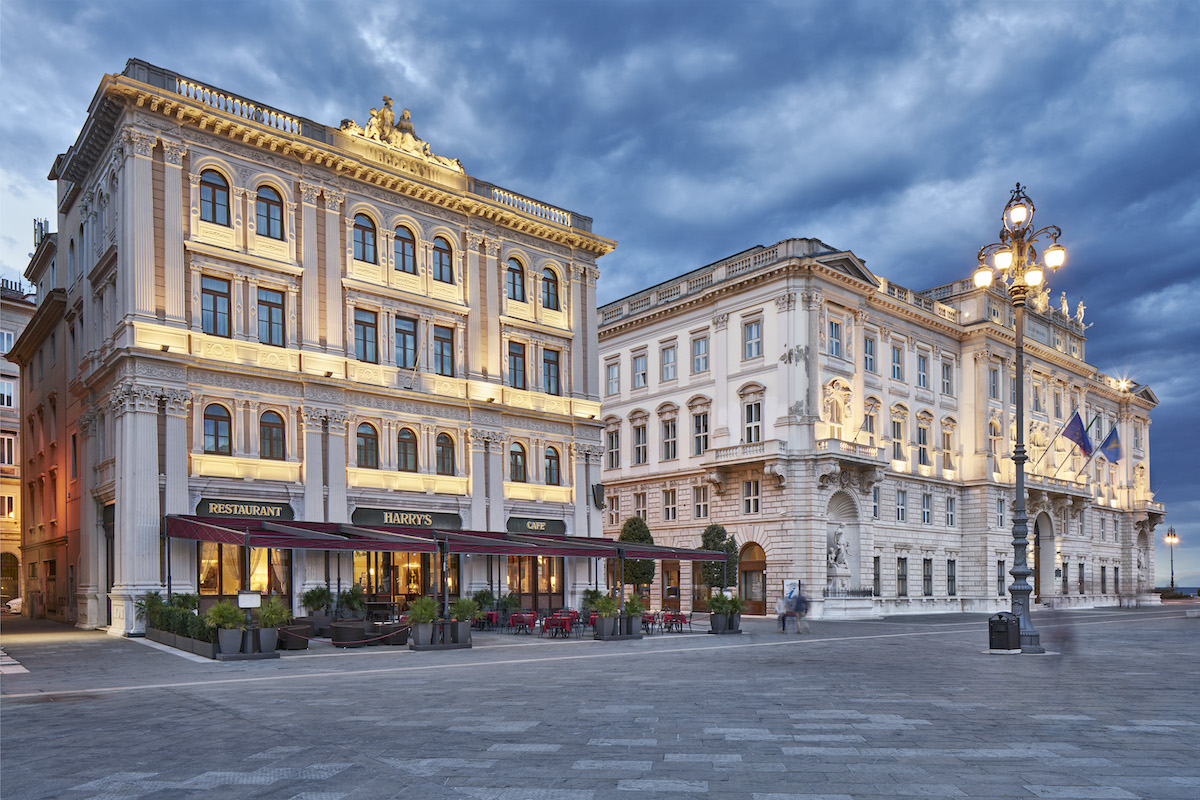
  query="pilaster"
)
[
  {"x": 137, "y": 223},
  {"x": 173, "y": 269},
  {"x": 333, "y": 269}
]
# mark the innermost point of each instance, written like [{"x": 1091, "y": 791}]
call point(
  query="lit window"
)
[
  {"x": 405, "y": 251},
  {"x": 270, "y": 317},
  {"x": 445, "y": 455},
  {"x": 553, "y": 467},
  {"x": 515, "y": 281},
  {"x": 364, "y": 239},
  {"x": 700, "y": 354},
  {"x": 367, "y": 446},
  {"x": 516, "y": 464},
  {"x": 365, "y": 336},
  {"x": 443, "y": 260},
  {"x": 752, "y": 340},
  {"x": 217, "y": 430},
  {"x": 406, "y": 451},
  {"x": 214, "y": 306},
  {"x": 214, "y": 198},
  {"x": 268, "y": 213},
  {"x": 270, "y": 437},
  {"x": 550, "y": 289}
]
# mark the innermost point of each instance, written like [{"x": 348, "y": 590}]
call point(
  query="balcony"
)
[
  {"x": 768, "y": 449},
  {"x": 852, "y": 451}
]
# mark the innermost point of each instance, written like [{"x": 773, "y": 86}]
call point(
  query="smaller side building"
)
[{"x": 16, "y": 309}]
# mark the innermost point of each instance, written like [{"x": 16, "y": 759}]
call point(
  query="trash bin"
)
[{"x": 1004, "y": 632}]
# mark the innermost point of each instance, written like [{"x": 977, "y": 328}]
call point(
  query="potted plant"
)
[
  {"x": 422, "y": 612},
  {"x": 736, "y": 606},
  {"x": 606, "y": 612},
  {"x": 148, "y": 607},
  {"x": 229, "y": 620},
  {"x": 318, "y": 600},
  {"x": 273, "y": 613},
  {"x": 462, "y": 611},
  {"x": 718, "y": 612},
  {"x": 588, "y": 601},
  {"x": 633, "y": 615},
  {"x": 352, "y": 602},
  {"x": 509, "y": 604}
]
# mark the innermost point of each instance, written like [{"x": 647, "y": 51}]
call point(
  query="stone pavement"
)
[{"x": 894, "y": 708}]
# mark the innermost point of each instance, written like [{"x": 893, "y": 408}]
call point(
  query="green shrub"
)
[
  {"x": 464, "y": 609},
  {"x": 633, "y": 606},
  {"x": 186, "y": 600},
  {"x": 274, "y": 612},
  {"x": 318, "y": 598},
  {"x": 590, "y": 596},
  {"x": 197, "y": 628},
  {"x": 737, "y": 605},
  {"x": 510, "y": 602},
  {"x": 484, "y": 599},
  {"x": 225, "y": 614},
  {"x": 352, "y": 601},
  {"x": 606, "y": 606},
  {"x": 719, "y": 604},
  {"x": 147, "y": 607},
  {"x": 423, "y": 609}
]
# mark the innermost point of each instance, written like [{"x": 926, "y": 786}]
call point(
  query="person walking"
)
[
  {"x": 781, "y": 611},
  {"x": 800, "y": 605}
]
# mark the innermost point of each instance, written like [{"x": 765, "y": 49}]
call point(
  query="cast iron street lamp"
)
[
  {"x": 1171, "y": 540},
  {"x": 1021, "y": 272}
]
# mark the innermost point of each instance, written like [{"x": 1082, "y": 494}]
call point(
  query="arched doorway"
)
[
  {"x": 752, "y": 578},
  {"x": 843, "y": 565},
  {"x": 1044, "y": 557},
  {"x": 9, "y": 577}
]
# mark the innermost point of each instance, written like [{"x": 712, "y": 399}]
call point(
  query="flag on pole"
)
[
  {"x": 1111, "y": 449},
  {"x": 1075, "y": 432}
]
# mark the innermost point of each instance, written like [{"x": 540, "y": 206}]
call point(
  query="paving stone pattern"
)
[{"x": 906, "y": 707}]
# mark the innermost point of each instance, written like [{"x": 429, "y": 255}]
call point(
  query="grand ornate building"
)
[
  {"x": 254, "y": 314},
  {"x": 856, "y": 436}
]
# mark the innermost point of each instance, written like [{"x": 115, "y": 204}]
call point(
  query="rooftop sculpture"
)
[{"x": 383, "y": 127}]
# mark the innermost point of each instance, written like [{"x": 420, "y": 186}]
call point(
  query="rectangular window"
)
[
  {"x": 1116, "y": 579},
  {"x": 901, "y": 577},
  {"x": 614, "y": 515},
  {"x": 927, "y": 509},
  {"x": 922, "y": 371},
  {"x": 6, "y": 341},
  {"x": 668, "y": 505},
  {"x": 1103, "y": 579},
  {"x": 613, "y": 384},
  {"x": 923, "y": 445},
  {"x": 666, "y": 358},
  {"x": 951, "y": 504},
  {"x": 74, "y": 456},
  {"x": 8, "y": 506},
  {"x": 443, "y": 351},
  {"x": 994, "y": 383},
  {"x": 753, "y": 423},
  {"x": 700, "y": 502},
  {"x": 869, "y": 354},
  {"x": 700, "y": 354},
  {"x": 214, "y": 306},
  {"x": 897, "y": 363},
  {"x": 1012, "y": 389},
  {"x": 750, "y": 497},
  {"x": 639, "y": 444},
  {"x": 875, "y": 503},
  {"x": 614, "y": 449},
  {"x": 869, "y": 428},
  {"x": 1036, "y": 398},
  {"x": 639, "y": 504},
  {"x": 1103, "y": 525},
  {"x": 1080, "y": 579},
  {"x": 877, "y": 577},
  {"x": 669, "y": 451},
  {"x": 516, "y": 365},
  {"x": 639, "y": 371},
  {"x": 901, "y": 505},
  {"x": 927, "y": 577},
  {"x": 550, "y": 372},
  {"x": 951, "y": 577},
  {"x": 6, "y": 394},
  {"x": 835, "y": 338},
  {"x": 898, "y": 440},
  {"x": 947, "y": 450},
  {"x": 947, "y": 378},
  {"x": 365, "y": 341},
  {"x": 406, "y": 343},
  {"x": 1000, "y": 577},
  {"x": 699, "y": 433},
  {"x": 1000, "y": 512},
  {"x": 752, "y": 340},
  {"x": 270, "y": 317},
  {"x": 1058, "y": 408}
]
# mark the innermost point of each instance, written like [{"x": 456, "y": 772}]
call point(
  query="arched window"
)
[
  {"x": 549, "y": 289},
  {"x": 217, "y": 430},
  {"x": 516, "y": 464},
  {"x": 71, "y": 263},
  {"x": 445, "y": 455},
  {"x": 994, "y": 437},
  {"x": 405, "y": 251},
  {"x": 269, "y": 213},
  {"x": 364, "y": 239},
  {"x": 368, "y": 447},
  {"x": 553, "y": 468},
  {"x": 406, "y": 451},
  {"x": 516, "y": 281},
  {"x": 214, "y": 198},
  {"x": 270, "y": 437},
  {"x": 443, "y": 261}
]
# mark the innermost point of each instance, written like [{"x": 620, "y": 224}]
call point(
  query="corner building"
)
[
  {"x": 263, "y": 316},
  {"x": 856, "y": 436}
]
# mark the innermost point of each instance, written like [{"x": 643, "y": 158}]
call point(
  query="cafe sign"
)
[
  {"x": 526, "y": 525},
  {"x": 246, "y": 509},
  {"x": 406, "y": 519}
]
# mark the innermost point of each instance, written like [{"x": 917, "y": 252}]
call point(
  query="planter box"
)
[
  {"x": 268, "y": 638},
  {"x": 292, "y": 637},
  {"x": 229, "y": 641},
  {"x": 460, "y": 632},
  {"x": 201, "y": 648},
  {"x": 441, "y": 637},
  {"x": 348, "y": 634}
]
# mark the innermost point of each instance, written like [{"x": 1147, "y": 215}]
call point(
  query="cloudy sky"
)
[{"x": 693, "y": 130}]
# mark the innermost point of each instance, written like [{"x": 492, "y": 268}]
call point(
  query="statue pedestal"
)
[{"x": 837, "y": 578}]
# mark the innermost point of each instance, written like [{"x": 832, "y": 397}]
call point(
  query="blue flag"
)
[
  {"x": 1111, "y": 449},
  {"x": 1075, "y": 432}
]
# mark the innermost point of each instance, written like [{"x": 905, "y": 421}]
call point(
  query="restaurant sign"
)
[
  {"x": 526, "y": 525},
  {"x": 406, "y": 519},
  {"x": 247, "y": 509}
]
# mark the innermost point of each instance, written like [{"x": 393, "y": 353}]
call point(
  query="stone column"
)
[
  {"x": 89, "y": 600},
  {"x": 585, "y": 310},
  {"x": 718, "y": 355},
  {"x": 476, "y": 451},
  {"x": 137, "y": 223},
  {"x": 493, "y": 360},
  {"x": 333, "y": 270},
  {"x": 340, "y": 447},
  {"x": 175, "y": 499},
  {"x": 476, "y": 265},
  {"x": 173, "y": 268},
  {"x": 313, "y": 469},
  {"x": 310, "y": 335}
]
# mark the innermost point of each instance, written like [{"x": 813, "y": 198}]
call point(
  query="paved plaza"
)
[{"x": 901, "y": 707}]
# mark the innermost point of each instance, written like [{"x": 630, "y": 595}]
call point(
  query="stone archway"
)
[
  {"x": 843, "y": 546},
  {"x": 752, "y": 578}
]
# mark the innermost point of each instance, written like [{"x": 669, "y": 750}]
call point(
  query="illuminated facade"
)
[
  {"x": 856, "y": 435},
  {"x": 16, "y": 309},
  {"x": 266, "y": 315}
]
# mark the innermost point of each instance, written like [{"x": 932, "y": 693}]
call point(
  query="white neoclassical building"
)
[
  {"x": 855, "y": 435},
  {"x": 251, "y": 314}
]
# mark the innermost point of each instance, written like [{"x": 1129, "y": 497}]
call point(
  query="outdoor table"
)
[
  {"x": 673, "y": 621},
  {"x": 381, "y": 611},
  {"x": 557, "y": 625},
  {"x": 522, "y": 622},
  {"x": 493, "y": 618},
  {"x": 649, "y": 620}
]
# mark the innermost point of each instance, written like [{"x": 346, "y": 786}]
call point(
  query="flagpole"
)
[
  {"x": 1085, "y": 430},
  {"x": 1053, "y": 439}
]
